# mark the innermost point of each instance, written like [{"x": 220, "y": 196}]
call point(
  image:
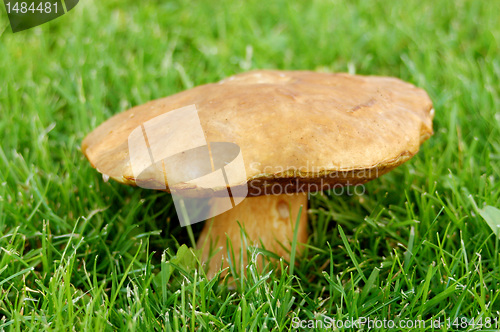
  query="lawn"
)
[{"x": 420, "y": 244}]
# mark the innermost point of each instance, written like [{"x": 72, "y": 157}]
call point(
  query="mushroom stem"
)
[{"x": 269, "y": 222}]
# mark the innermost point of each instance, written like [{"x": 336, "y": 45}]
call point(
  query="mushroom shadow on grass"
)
[{"x": 295, "y": 132}]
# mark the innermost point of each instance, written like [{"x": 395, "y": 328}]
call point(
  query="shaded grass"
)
[{"x": 75, "y": 251}]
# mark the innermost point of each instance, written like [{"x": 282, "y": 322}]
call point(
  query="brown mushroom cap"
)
[{"x": 293, "y": 127}]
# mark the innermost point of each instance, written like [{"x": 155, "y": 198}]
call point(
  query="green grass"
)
[{"x": 78, "y": 252}]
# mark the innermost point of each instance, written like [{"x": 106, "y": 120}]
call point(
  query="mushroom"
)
[{"x": 297, "y": 131}]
